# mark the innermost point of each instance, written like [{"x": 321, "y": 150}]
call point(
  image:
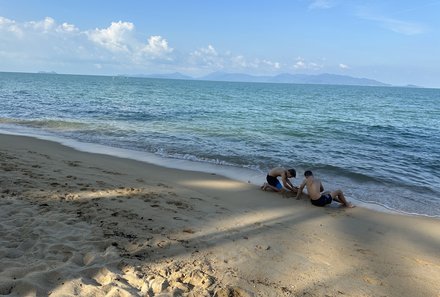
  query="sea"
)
[{"x": 380, "y": 145}]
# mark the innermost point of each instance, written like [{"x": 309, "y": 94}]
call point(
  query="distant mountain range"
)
[
  {"x": 175, "y": 75},
  {"x": 47, "y": 72},
  {"x": 323, "y": 79}
]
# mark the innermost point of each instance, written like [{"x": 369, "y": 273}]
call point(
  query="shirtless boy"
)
[
  {"x": 274, "y": 184},
  {"x": 316, "y": 194}
]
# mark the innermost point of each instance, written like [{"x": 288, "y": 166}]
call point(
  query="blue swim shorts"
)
[{"x": 274, "y": 182}]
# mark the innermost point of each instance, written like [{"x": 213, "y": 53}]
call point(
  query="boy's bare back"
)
[
  {"x": 278, "y": 171},
  {"x": 314, "y": 187}
]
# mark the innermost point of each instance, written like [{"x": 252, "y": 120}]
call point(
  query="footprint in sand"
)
[
  {"x": 164, "y": 244},
  {"x": 164, "y": 185},
  {"x": 371, "y": 280},
  {"x": 73, "y": 163},
  {"x": 178, "y": 204},
  {"x": 112, "y": 172},
  {"x": 100, "y": 182},
  {"x": 363, "y": 251}
]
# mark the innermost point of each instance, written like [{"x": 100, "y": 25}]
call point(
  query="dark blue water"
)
[{"x": 381, "y": 145}]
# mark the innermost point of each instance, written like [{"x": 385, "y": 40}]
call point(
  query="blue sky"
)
[{"x": 396, "y": 42}]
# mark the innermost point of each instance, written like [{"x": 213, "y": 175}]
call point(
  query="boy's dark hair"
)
[
  {"x": 308, "y": 173},
  {"x": 292, "y": 172}
]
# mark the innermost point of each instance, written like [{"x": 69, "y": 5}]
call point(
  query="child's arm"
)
[{"x": 300, "y": 189}]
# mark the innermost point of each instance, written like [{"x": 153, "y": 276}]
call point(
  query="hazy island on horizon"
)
[
  {"x": 325, "y": 78},
  {"x": 317, "y": 79}
]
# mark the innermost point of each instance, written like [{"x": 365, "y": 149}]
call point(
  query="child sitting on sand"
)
[{"x": 316, "y": 194}]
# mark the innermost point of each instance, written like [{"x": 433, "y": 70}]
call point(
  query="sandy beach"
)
[{"x": 81, "y": 224}]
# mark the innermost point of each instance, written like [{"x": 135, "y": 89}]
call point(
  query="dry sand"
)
[{"x": 81, "y": 224}]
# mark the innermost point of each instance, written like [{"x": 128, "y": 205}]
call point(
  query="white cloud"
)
[
  {"x": 45, "y": 25},
  {"x": 65, "y": 27},
  {"x": 207, "y": 58},
  {"x": 239, "y": 62},
  {"x": 46, "y": 42},
  {"x": 210, "y": 50},
  {"x": 33, "y": 28},
  {"x": 113, "y": 38},
  {"x": 275, "y": 65},
  {"x": 343, "y": 66},
  {"x": 43, "y": 44},
  {"x": 4, "y": 21},
  {"x": 119, "y": 39},
  {"x": 157, "y": 46},
  {"x": 210, "y": 58},
  {"x": 301, "y": 64},
  {"x": 10, "y": 26}
]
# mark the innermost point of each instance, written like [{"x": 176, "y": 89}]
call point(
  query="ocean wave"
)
[{"x": 61, "y": 125}]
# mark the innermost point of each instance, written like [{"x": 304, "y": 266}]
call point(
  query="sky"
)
[{"x": 395, "y": 42}]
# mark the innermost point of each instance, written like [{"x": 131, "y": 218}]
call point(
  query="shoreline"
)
[
  {"x": 73, "y": 222},
  {"x": 235, "y": 173}
]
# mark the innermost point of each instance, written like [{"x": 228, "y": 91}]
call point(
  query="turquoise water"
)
[{"x": 381, "y": 145}]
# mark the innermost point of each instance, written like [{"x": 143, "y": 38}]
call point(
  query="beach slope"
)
[{"x": 76, "y": 223}]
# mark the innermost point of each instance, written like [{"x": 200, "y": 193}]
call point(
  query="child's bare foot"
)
[{"x": 264, "y": 187}]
